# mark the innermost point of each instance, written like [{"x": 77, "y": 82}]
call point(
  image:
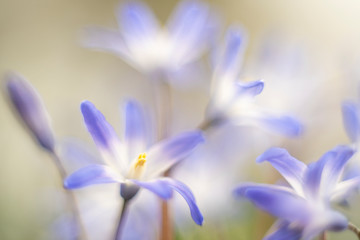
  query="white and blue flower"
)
[
  {"x": 303, "y": 208},
  {"x": 132, "y": 163},
  {"x": 150, "y": 48},
  {"x": 232, "y": 100}
]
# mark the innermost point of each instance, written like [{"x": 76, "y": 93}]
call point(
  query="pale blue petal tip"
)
[
  {"x": 351, "y": 118},
  {"x": 250, "y": 88},
  {"x": 285, "y": 125},
  {"x": 274, "y": 152},
  {"x": 100, "y": 130},
  {"x": 233, "y": 49}
]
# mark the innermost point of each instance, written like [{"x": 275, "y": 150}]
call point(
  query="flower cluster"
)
[{"x": 140, "y": 161}]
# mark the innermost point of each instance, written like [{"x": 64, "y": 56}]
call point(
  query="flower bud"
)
[{"x": 29, "y": 106}]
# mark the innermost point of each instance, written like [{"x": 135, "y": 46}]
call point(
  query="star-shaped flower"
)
[
  {"x": 232, "y": 100},
  {"x": 131, "y": 163},
  {"x": 150, "y": 48},
  {"x": 303, "y": 208}
]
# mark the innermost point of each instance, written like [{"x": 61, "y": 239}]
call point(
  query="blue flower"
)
[
  {"x": 233, "y": 100},
  {"x": 29, "y": 106},
  {"x": 303, "y": 208},
  {"x": 351, "y": 118},
  {"x": 144, "y": 44},
  {"x": 132, "y": 163}
]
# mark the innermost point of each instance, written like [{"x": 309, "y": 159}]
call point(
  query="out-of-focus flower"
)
[
  {"x": 132, "y": 164},
  {"x": 232, "y": 100},
  {"x": 148, "y": 47},
  {"x": 351, "y": 118},
  {"x": 29, "y": 106},
  {"x": 290, "y": 74},
  {"x": 303, "y": 209}
]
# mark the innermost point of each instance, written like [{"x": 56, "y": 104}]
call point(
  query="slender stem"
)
[
  {"x": 81, "y": 233},
  {"x": 162, "y": 95},
  {"x": 167, "y": 226},
  {"x": 354, "y": 229},
  {"x": 323, "y": 236},
  {"x": 209, "y": 123},
  {"x": 121, "y": 220}
]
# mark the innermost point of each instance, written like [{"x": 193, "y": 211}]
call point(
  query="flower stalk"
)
[
  {"x": 323, "y": 236},
  {"x": 209, "y": 123},
  {"x": 122, "y": 220},
  {"x": 162, "y": 94},
  {"x": 71, "y": 199},
  {"x": 354, "y": 229}
]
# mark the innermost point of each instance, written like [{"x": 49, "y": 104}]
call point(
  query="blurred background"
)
[{"x": 307, "y": 52}]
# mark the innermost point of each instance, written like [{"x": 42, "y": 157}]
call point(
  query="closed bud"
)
[{"x": 29, "y": 106}]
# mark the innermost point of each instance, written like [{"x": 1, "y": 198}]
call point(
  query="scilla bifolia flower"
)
[
  {"x": 29, "y": 106},
  {"x": 150, "y": 48},
  {"x": 131, "y": 163},
  {"x": 232, "y": 100},
  {"x": 303, "y": 208}
]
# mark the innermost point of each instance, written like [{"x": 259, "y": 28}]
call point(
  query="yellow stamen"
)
[
  {"x": 138, "y": 167},
  {"x": 141, "y": 160}
]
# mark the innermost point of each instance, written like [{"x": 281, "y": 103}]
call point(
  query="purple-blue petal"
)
[
  {"x": 170, "y": 151},
  {"x": 334, "y": 167},
  {"x": 285, "y": 125},
  {"x": 284, "y": 232},
  {"x": 90, "y": 175},
  {"x": 135, "y": 129},
  {"x": 344, "y": 189},
  {"x": 278, "y": 201},
  {"x": 325, "y": 173},
  {"x": 101, "y": 131},
  {"x": 331, "y": 221},
  {"x": 186, "y": 193},
  {"x": 235, "y": 44},
  {"x": 157, "y": 186},
  {"x": 190, "y": 25},
  {"x": 250, "y": 88},
  {"x": 136, "y": 21},
  {"x": 30, "y": 108},
  {"x": 164, "y": 188},
  {"x": 289, "y": 167},
  {"x": 351, "y": 118}
]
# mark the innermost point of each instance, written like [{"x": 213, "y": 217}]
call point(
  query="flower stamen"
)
[
  {"x": 140, "y": 161},
  {"x": 138, "y": 168}
]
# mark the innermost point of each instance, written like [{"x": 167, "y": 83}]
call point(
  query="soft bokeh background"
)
[{"x": 40, "y": 40}]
